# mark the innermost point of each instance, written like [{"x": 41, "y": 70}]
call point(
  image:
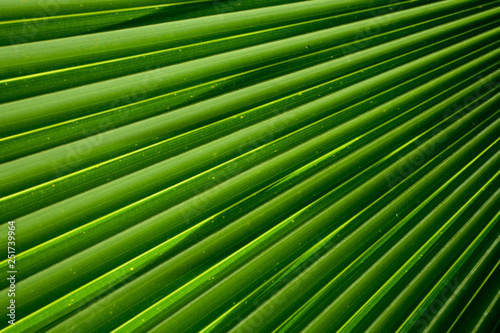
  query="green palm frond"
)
[{"x": 250, "y": 166}]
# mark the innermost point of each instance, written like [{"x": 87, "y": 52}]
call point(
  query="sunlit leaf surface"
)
[{"x": 250, "y": 166}]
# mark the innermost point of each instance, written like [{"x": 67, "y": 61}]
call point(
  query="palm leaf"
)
[{"x": 250, "y": 166}]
